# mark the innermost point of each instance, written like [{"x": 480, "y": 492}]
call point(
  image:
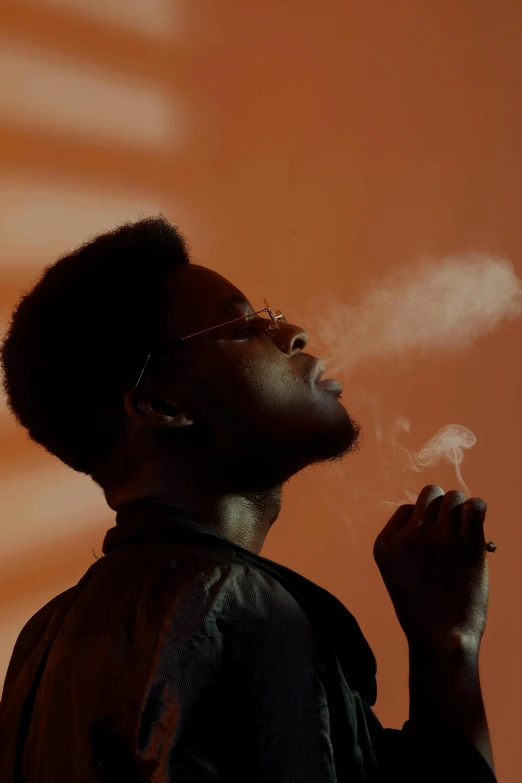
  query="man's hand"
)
[{"x": 432, "y": 558}]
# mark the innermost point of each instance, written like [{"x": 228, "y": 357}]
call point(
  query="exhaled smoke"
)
[
  {"x": 444, "y": 305},
  {"x": 447, "y": 445}
]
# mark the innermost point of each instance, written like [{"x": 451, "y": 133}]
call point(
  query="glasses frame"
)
[{"x": 276, "y": 317}]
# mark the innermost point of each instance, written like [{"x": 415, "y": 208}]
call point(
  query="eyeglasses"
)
[{"x": 272, "y": 327}]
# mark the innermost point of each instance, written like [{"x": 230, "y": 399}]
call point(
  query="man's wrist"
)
[
  {"x": 445, "y": 689},
  {"x": 453, "y": 644}
]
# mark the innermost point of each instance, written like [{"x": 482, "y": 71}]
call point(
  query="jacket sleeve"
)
[
  {"x": 240, "y": 690},
  {"x": 438, "y": 754},
  {"x": 235, "y": 694}
]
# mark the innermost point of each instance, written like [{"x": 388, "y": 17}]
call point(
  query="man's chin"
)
[
  {"x": 275, "y": 462},
  {"x": 332, "y": 445}
]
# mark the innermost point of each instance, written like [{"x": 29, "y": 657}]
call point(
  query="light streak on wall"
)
[{"x": 51, "y": 91}]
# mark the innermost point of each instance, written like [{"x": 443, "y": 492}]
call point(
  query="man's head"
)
[{"x": 235, "y": 405}]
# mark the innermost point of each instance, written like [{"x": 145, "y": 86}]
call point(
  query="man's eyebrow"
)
[{"x": 234, "y": 300}]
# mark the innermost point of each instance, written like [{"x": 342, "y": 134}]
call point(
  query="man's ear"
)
[{"x": 155, "y": 411}]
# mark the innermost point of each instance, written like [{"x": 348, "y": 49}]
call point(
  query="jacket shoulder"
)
[
  {"x": 31, "y": 634},
  {"x": 229, "y": 595}
]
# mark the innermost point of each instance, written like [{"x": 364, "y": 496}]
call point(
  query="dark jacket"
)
[{"x": 180, "y": 656}]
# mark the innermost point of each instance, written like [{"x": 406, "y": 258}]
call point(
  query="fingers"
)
[
  {"x": 449, "y": 516},
  {"x": 427, "y": 505},
  {"x": 451, "y": 506},
  {"x": 472, "y": 525},
  {"x": 433, "y": 504},
  {"x": 397, "y": 522},
  {"x": 475, "y": 506}
]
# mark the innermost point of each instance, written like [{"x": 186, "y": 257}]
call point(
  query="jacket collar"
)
[{"x": 146, "y": 517}]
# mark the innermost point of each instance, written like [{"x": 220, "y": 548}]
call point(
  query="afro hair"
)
[{"x": 79, "y": 337}]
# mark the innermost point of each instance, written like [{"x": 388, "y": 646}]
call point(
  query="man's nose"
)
[{"x": 290, "y": 339}]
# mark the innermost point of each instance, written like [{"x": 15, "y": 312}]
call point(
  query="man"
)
[{"x": 182, "y": 654}]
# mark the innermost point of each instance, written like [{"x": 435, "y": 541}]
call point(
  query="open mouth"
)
[{"x": 328, "y": 383}]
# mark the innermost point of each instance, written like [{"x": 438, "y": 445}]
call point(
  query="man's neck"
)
[{"x": 243, "y": 518}]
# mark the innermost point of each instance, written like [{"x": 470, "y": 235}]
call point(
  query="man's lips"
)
[{"x": 325, "y": 383}]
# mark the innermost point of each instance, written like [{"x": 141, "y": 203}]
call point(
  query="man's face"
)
[{"x": 256, "y": 410}]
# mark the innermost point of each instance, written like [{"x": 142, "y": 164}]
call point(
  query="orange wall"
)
[{"x": 305, "y": 147}]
